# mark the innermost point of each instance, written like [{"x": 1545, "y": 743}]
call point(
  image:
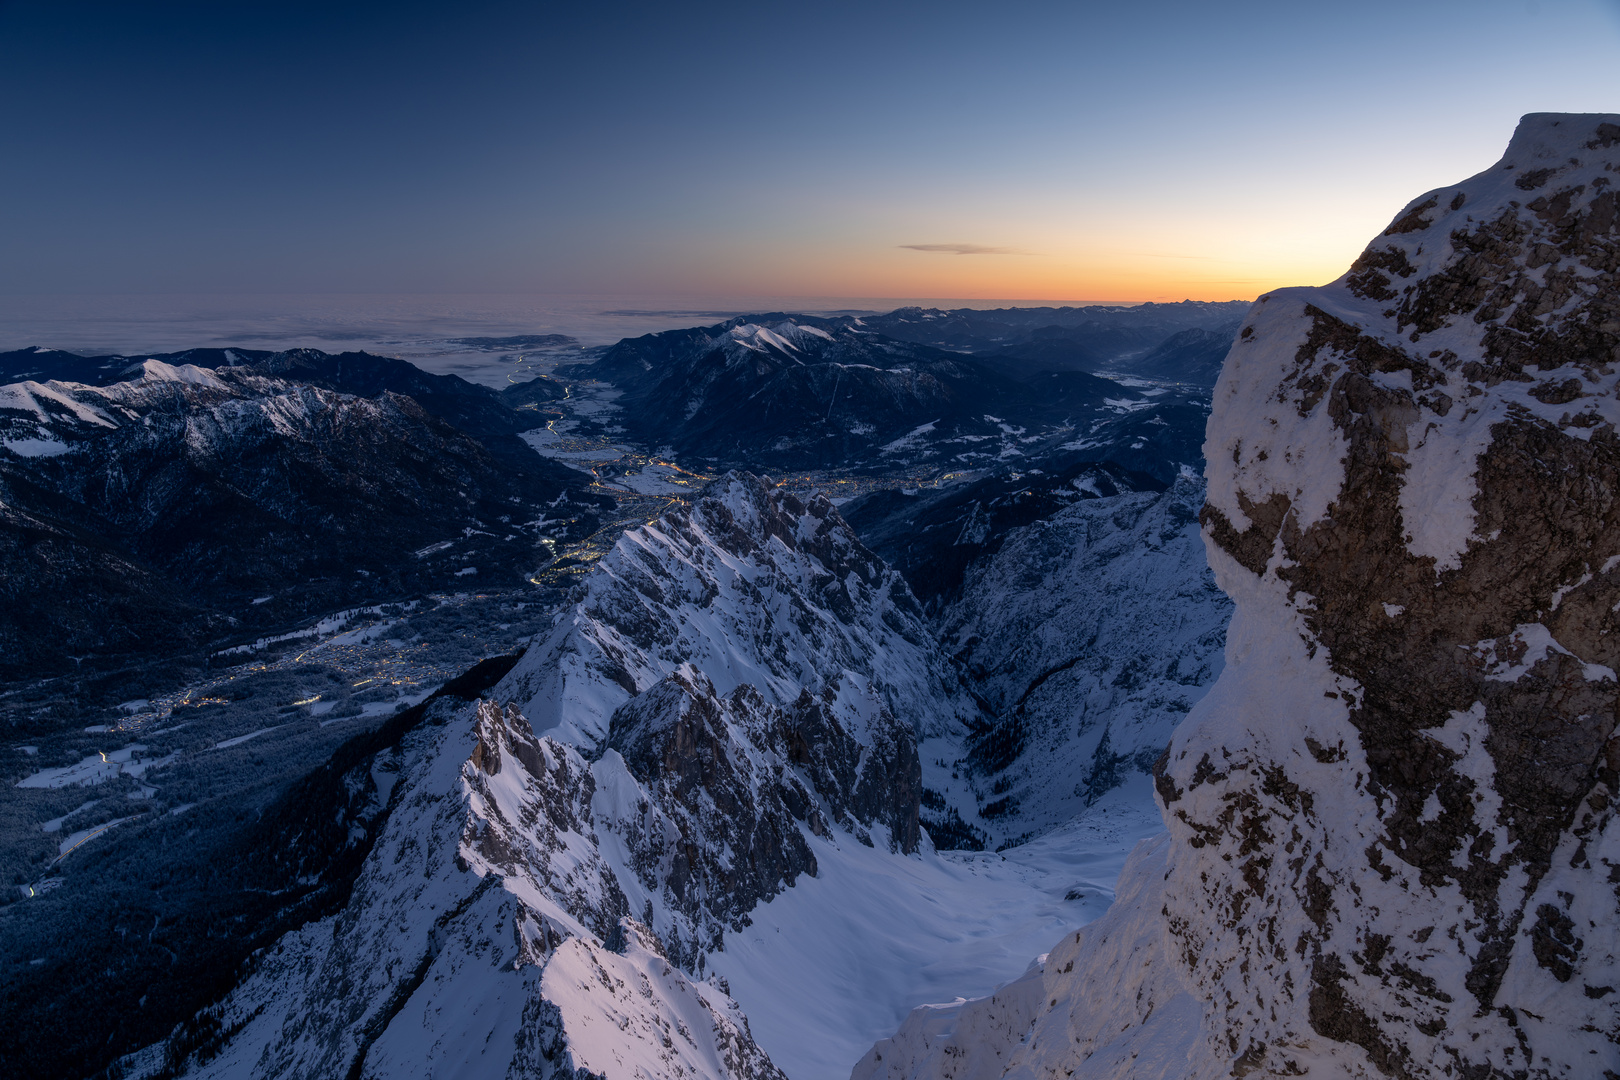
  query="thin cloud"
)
[{"x": 962, "y": 249}]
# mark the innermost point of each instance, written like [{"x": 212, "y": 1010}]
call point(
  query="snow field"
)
[{"x": 837, "y": 962}]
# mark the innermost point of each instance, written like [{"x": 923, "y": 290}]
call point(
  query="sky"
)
[{"x": 1035, "y": 151}]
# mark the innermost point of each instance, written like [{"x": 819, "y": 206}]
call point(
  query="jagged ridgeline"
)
[
  {"x": 540, "y": 883},
  {"x": 1392, "y": 844}
]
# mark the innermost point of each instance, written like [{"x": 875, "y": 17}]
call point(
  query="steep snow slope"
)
[
  {"x": 1090, "y": 634},
  {"x": 838, "y": 961},
  {"x": 1392, "y": 844},
  {"x": 1108, "y": 1000}
]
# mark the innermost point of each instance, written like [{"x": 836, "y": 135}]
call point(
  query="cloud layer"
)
[{"x": 961, "y": 249}]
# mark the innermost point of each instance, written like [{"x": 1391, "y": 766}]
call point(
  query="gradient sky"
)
[{"x": 1121, "y": 151}]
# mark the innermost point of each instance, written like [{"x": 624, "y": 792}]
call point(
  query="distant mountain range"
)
[
  {"x": 1024, "y": 342},
  {"x": 797, "y": 392},
  {"x": 158, "y": 506}
]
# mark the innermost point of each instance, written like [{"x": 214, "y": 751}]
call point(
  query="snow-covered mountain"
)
[
  {"x": 486, "y": 934},
  {"x": 1392, "y": 842},
  {"x": 187, "y": 493},
  {"x": 1090, "y": 634},
  {"x": 1024, "y": 341},
  {"x": 660, "y": 804},
  {"x": 1194, "y": 355},
  {"x": 753, "y": 587},
  {"x": 741, "y": 700},
  {"x": 797, "y": 392}
]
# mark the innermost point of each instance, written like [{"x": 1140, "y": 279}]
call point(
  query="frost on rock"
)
[{"x": 1392, "y": 848}]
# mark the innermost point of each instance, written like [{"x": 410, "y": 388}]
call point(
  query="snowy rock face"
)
[
  {"x": 532, "y": 905},
  {"x": 1393, "y": 816},
  {"x": 748, "y": 585},
  {"x": 836, "y": 756},
  {"x": 1090, "y": 634},
  {"x": 696, "y": 810},
  {"x": 1392, "y": 848},
  {"x": 486, "y": 935}
]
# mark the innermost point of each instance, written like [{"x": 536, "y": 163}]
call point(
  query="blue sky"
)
[{"x": 1074, "y": 151}]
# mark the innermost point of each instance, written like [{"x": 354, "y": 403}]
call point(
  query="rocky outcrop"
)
[
  {"x": 751, "y": 586},
  {"x": 534, "y": 903},
  {"x": 491, "y": 925},
  {"x": 486, "y": 933},
  {"x": 725, "y": 784},
  {"x": 529, "y": 819},
  {"x": 1392, "y": 841},
  {"x": 1407, "y": 837}
]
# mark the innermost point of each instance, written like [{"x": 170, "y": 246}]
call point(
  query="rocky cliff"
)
[{"x": 1392, "y": 848}]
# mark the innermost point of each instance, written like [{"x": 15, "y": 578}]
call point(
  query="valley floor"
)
[{"x": 836, "y": 963}]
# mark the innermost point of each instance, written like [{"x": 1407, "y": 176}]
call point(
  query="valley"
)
[{"x": 240, "y": 731}]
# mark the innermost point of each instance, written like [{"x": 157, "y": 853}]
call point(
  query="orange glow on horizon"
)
[{"x": 1165, "y": 264}]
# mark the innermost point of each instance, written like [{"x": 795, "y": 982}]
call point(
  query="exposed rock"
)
[
  {"x": 487, "y": 932},
  {"x": 728, "y": 779},
  {"x": 1418, "y": 533},
  {"x": 1392, "y": 849},
  {"x": 751, "y": 586}
]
